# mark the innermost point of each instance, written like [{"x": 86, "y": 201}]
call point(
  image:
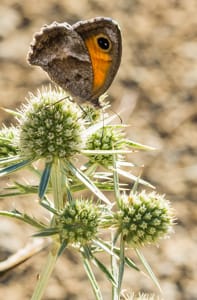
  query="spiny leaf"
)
[
  {"x": 44, "y": 180},
  {"x": 23, "y": 217},
  {"x": 148, "y": 269},
  {"x": 83, "y": 178},
  {"x": 15, "y": 167}
]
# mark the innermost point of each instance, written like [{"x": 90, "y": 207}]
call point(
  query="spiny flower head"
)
[
  {"x": 144, "y": 218},
  {"x": 93, "y": 113},
  {"x": 50, "y": 126},
  {"x": 79, "y": 222},
  {"x": 8, "y": 146},
  {"x": 106, "y": 138}
]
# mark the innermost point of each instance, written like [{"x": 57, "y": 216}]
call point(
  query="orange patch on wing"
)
[{"x": 101, "y": 62}]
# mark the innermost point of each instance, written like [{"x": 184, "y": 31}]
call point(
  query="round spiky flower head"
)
[
  {"x": 106, "y": 138},
  {"x": 93, "y": 113},
  {"x": 51, "y": 126},
  {"x": 144, "y": 218},
  {"x": 8, "y": 143},
  {"x": 79, "y": 222}
]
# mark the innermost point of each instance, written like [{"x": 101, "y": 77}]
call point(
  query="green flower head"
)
[
  {"x": 79, "y": 222},
  {"x": 144, "y": 218},
  {"x": 8, "y": 141},
  {"x": 106, "y": 138},
  {"x": 50, "y": 126}
]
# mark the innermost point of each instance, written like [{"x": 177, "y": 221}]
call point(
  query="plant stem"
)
[
  {"x": 58, "y": 192},
  {"x": 92, "y": 279},
  {"x": 46, "y": 272},
  {"x": 57, "y": 184},
  {"x": 121, "y": 264},
  {"x": 116, "y": 181},
  {"x": 114, "y": 268}
]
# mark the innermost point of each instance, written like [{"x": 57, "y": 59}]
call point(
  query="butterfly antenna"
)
[
  {"x": 66, "y": 97},
  {"x": 60, "y": 100},
  {"x": 119, "y": 117}
]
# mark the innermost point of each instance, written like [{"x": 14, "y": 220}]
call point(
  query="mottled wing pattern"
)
[{"x": 61, "y": 52}]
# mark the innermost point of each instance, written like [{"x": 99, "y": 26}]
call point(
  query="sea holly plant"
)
[{"x": 81, "y": 150}]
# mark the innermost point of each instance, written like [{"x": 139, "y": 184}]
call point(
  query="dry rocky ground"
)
[{"x": 157, "y": 84}]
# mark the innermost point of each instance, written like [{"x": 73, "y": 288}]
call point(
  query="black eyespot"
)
[{"x": 103, "y": 43}]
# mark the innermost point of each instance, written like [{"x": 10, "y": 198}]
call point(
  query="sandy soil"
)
[{"x": 157, "y": 83}]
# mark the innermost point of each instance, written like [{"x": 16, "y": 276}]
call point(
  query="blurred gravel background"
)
[{"x": 157, "y": 87}]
